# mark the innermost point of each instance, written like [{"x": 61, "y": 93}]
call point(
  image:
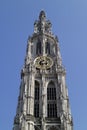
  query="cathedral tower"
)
[{"x": 43, "y": 102}]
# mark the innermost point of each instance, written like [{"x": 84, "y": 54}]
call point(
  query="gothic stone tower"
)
[{"x": 43, "y": 102}]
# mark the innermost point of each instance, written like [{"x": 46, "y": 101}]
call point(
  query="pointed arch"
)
[
  {"x": 51, "y": 100},
  {"x": 51, "y": 91}
]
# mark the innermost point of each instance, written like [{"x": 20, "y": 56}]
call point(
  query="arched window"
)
[
  {"x": 47, "y": 49},
  {"x": 36, "y": 99},
  {"x": 38, "y": 47},
  {"x": 51, "y": 101}
]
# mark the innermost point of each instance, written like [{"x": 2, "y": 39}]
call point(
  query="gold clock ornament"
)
[{"x": 43, "y": 62}]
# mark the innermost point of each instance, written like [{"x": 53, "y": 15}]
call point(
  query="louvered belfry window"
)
[{"x": 51, "y": 101}]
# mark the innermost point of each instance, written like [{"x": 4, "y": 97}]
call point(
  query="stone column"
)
[{"x": 43, "y": 101}]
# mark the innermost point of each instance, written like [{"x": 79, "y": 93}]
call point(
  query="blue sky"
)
[{"x": 69, "y": 20}]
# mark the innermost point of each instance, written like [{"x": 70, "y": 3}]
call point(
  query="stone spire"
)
[{"x": 42, "y": 25}]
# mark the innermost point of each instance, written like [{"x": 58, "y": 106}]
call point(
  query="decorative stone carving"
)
[{"x": 43, "y": 63}]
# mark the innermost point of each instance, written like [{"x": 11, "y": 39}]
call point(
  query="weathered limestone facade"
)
[{"x": 43, "y": 102}]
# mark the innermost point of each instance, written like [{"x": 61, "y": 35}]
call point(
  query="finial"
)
[{"x": 42, "y": 15}]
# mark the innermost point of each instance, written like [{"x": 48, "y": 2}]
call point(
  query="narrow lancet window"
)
[
  {"x": 47, "y": 48},
  {"x": 51, "y": 101},
  {"x": 36, "y": 99},
  {"x": 38, "y": 47}
]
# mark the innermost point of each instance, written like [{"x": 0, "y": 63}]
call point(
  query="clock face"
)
[{"x": 43, "y": 62}]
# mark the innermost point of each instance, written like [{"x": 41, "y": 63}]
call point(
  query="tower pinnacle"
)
[
  {"x": 42, "y": 25},
  {"x": 42, "y": 15}
]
